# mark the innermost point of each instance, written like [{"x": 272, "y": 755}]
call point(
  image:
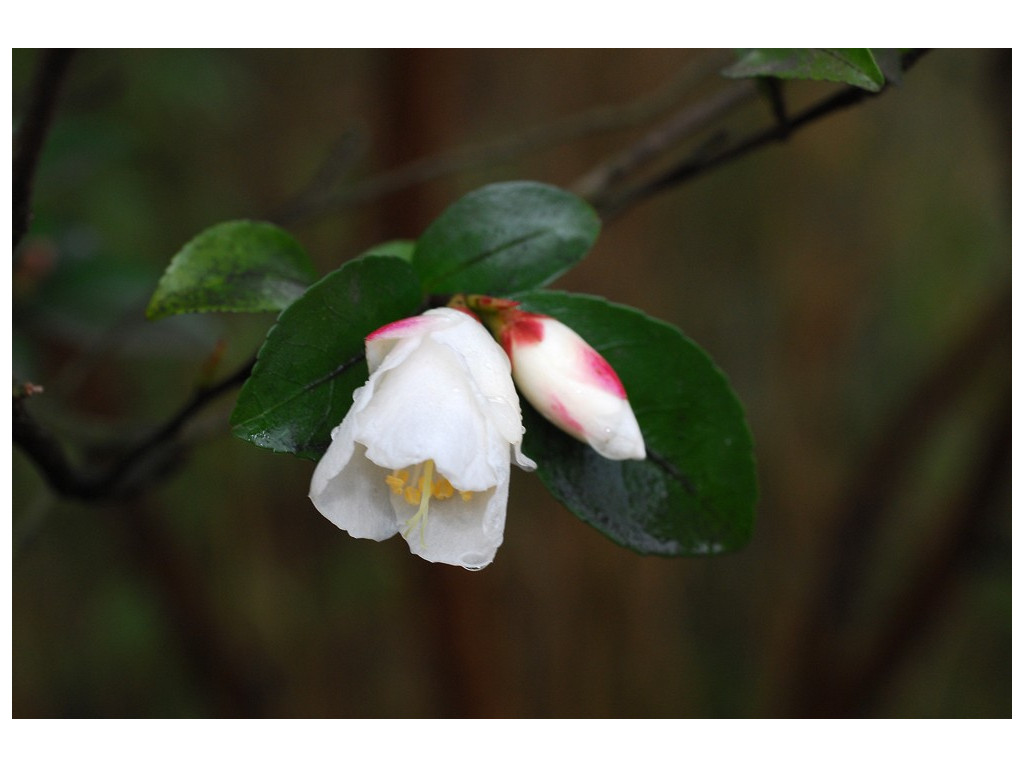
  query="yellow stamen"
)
[
  {"x": 443, "y": 488},
  {"x": 417, "y": 487},
  {"x": 396, "y": 480}
]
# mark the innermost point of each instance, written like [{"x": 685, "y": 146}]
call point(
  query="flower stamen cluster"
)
[{"x": 417, "y": 486}]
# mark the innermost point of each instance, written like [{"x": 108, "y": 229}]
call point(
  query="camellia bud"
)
[{"x": 564, "y": 378}]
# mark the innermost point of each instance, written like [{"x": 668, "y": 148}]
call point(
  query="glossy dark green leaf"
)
[
  {"x": 401, "y": 249},
  {"x": 237, "y": 266},
  {"x": 504, "y": 238},
  {"x": 854, "y": 66},
  {"x": 695, "y": 493},
  {"x": 313, "y": 359}
]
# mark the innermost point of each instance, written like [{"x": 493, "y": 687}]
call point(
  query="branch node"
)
[{"x": 26, "y": 389}]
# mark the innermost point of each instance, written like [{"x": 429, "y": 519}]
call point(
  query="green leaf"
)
[
  {"x": 313, "y": 359},
  {"x": 695, "y": 493},
  {"x": 401, "y": 249},
  {"x": 237, "y": 266},
  {"x": 854, "y": 66},
  {"x": 504, "y": 238}
]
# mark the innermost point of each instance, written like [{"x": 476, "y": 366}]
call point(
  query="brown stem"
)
[
  {"x": 32, "y": 132},
  {"x": 598, "y": 184},
  {"x": 133, "y": 470},
  {"x": 780, "y": 131}
]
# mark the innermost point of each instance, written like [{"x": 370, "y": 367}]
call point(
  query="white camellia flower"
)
[
  {"x": 570, "y": 383},
  {"x": 426, "y": 448}
]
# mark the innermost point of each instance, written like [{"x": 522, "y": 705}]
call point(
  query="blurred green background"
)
[{"x": 853, "y": 283}]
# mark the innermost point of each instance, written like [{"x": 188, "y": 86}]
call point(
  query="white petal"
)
[
  {"x": 350, "y": 491},
  {"x": 489, "y": 371},
  {"x": 427, "y": 409},
  {"x": 457, "y": 532},
  {"x": 522, "y": 461},
  {"x": 616, "y": 435},
  {"x": 394, "y": 341}
]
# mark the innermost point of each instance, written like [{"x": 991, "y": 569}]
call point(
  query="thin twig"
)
[
  {"x": 598, "y": 183},
  {"x": 696, "y": 166},
  {"x": 32, "y": 132},
  {"x": 600, "y": 120},
  {"x": 340, "y": 159},
  {"x": 51, "y": 459}
]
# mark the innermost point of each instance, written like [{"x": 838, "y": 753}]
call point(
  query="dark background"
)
[{"x": 852, "y": 282}]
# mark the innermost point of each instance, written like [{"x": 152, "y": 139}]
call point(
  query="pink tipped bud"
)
[{"x": 571, "y": 385}]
